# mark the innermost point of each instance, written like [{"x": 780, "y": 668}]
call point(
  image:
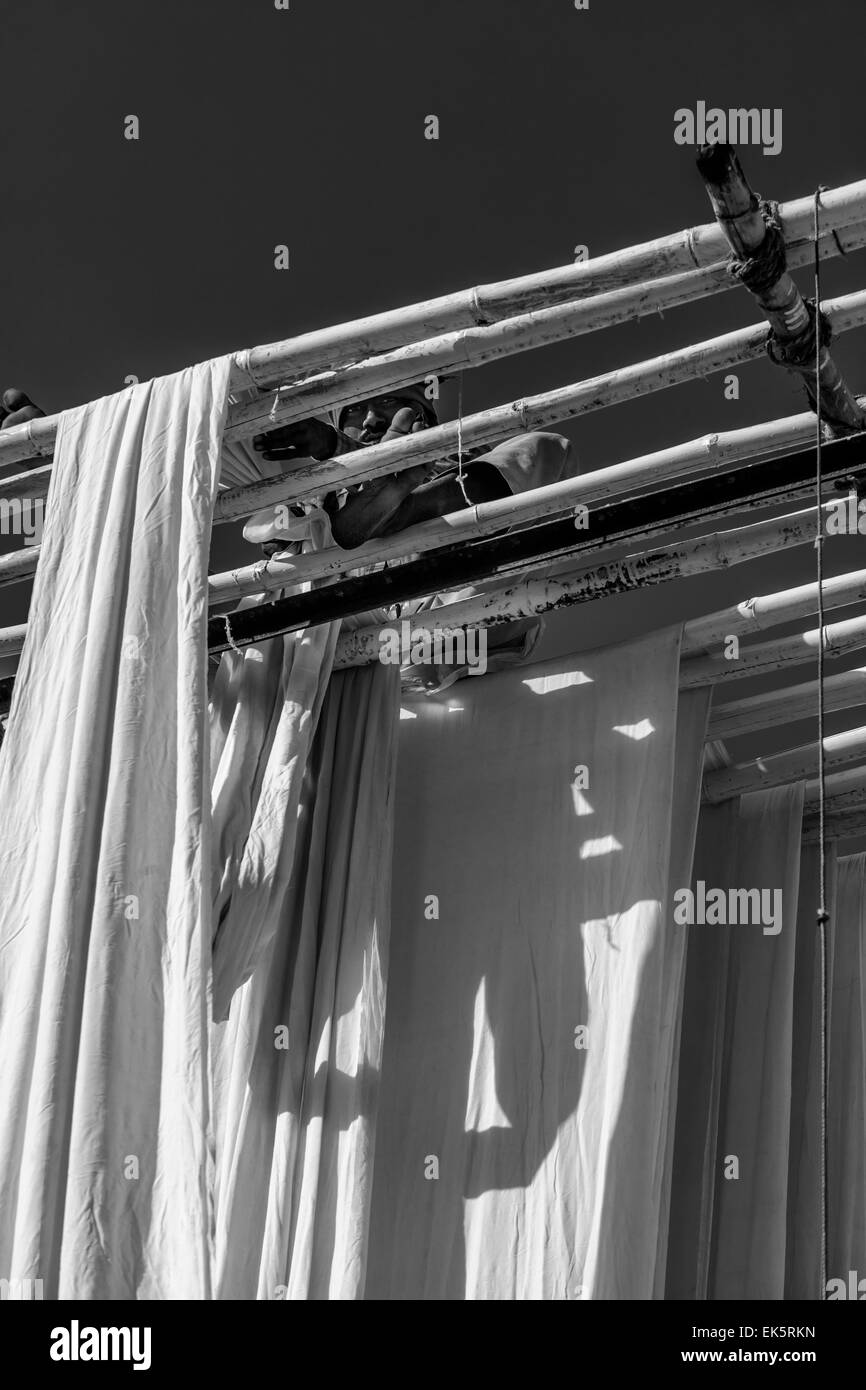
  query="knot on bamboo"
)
[
  {"x": 798, "y": 351},
  {"x": 760, "y": 272}
]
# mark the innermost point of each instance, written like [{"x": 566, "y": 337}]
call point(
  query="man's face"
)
[{"x": 369, "y": 420}]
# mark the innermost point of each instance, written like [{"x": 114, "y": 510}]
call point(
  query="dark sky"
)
[{"x": 306, "y": 127}]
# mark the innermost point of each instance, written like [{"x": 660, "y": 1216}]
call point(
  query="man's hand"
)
[
  {"x": 16, "y": 408},
  {"x": 305, "y": 439}
]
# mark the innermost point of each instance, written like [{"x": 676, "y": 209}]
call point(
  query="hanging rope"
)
[
  {"x": 460, "y": 473},
  {"x": 823, "y": 915}
]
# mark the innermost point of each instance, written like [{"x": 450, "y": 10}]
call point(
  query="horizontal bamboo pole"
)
[
  {"x": 769, "y": 610},
  {"x": 737, "y": 717},
  {"x": 529, "y": 597},
  {"x": 450, "y": 353},
  {"x": 839, "y": 638},
  {"x": 713, "y": 452},
  {"x": 693, "y": 556},
  {"x": 310, "y": 478},
  {"x": 696, "y": 248},
  {"x": 775, "y": 769},
  {"x": 847, "y": 826},
  {"x": 841, "y": 789},
  {"x": 669, "y": 255},
  {"x": 743, "y": 225},
  {"x": 12, "y": 639},
  {"x": 779, "y": 478},
  {"x": 710, "y": 453}
]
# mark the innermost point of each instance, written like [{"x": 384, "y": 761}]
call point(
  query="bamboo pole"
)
[
  {"x": 276, "y": 361},
  {"x": 310, "y": 478},
  {"x": 529, "y": 597},
  {"x": 697, "y": 555},
  {"x": 775, "y": 769},
  {"x": 842, "y": 789},
  {"x": 474, "y": 347},
  {"x": 711, "y": 453},
  {"x": 670, "y": 255},
  {"x": 767, "y": 483},
  {"x": 774, "y": 707},
  {"x": 841, "y": 827},
  {"x": 793, "y": 331},
  {"x": 770, "y": 610},
  {"x": 839, "y": 638}
]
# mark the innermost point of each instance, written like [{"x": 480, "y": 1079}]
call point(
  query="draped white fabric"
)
[
  {"x": 730, "y": 1175},
  {"x": 297, "y": 1063},
  {"x": 264, "y": 710},
  {"x": 846, "y": 1131},
  {"x": 575, "y": 1095},
  {"x": 529, "y": 1040},
  {"x": 105, "y": 1140}
]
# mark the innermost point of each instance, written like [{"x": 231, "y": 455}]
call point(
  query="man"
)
[
  {"x": 382, "y": 506},
  {"x": 422, "y": 492},
  {"x": 387, "y": 505}
]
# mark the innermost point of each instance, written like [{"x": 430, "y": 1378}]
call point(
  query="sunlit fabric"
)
[
  {"x": 105, "y": 1131},
  {"x": 533, "y": 990},
  {"x": 297, "y": 1064},
  {"x": 730, "y": 1174}
]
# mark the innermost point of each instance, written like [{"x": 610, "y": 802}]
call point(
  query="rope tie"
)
[
  {"x": 460, "y": 473},
  {"x": 760, "y": 272}
]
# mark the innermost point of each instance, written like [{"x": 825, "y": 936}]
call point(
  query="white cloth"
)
[
  {"x": 105, "y": 1151},
  {"x": 297, "y": 1063},
  {"x": 728, "y": 1232},
  {"x": 512, "y": 1163}
]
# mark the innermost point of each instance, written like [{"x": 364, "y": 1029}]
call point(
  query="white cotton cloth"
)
[
  {"x": 728, "y": 1234},
  {"x": 512, "y": 1160},
  {"x": 297, "y": 1063},
  {"x": 105, "y": 1148}
]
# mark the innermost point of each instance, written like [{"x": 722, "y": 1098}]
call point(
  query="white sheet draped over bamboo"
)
[
  {"x": 297, "y": 1064},
  {"x": 105, "y": 1131},
  {"x": 516, "y": 1155},
  {"x": 513, "y": 1161}
]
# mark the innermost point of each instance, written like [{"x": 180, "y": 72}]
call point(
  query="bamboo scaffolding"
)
[
  {"x": 310, "y": 478},
  {"x": 697, "y": 457},
  {"x": 533, "y": 596},
  {"x": 773, "y": 480},
  {"x": 710, "y": 453},
  {"x": 769, "y": 610},
  {"x": 474, "y": 347},
  {"x": 842, "y": 790},
  {"x": 775, "y": 769},
  {"x": 739, "y": 214},
  {"x": 839, "y": 638},
  {"x": 616, "y": 576},
  {"x": 737, "y": 717},
  {"x": 842, "y": 827},
  {"x": 277, "y": 360},
  {"x": 669, "y": 255}
]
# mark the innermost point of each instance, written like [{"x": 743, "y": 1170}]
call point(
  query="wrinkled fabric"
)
[
  {"x": 105, "y": 1140},
  {"x": 846, "y": 1129},
  {"x": 728, "y": 1225},
  {"x": 265, "y": 706},
  {"x": 529, "y": 906},
  {"x": 803, "y": 1248},
  {"x": 298, "y": 1061}
]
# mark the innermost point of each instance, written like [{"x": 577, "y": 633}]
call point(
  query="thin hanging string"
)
[
  {"x": 823, "y": 915},
  {"x": 460, "y": 473}
]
